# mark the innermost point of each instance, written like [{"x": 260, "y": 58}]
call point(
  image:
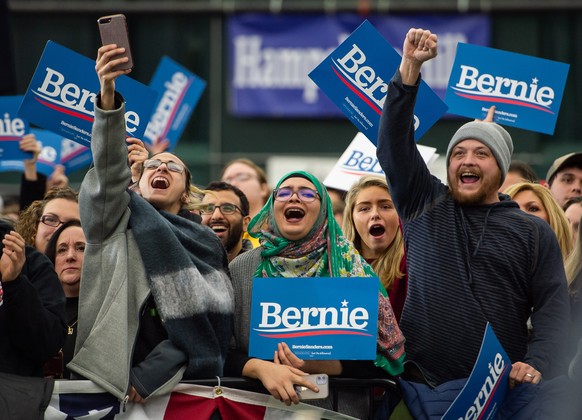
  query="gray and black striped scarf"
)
[{"x": 187, "y": 271}]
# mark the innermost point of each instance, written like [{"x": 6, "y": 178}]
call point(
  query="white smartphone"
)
[{"x": 322, "y": 382}]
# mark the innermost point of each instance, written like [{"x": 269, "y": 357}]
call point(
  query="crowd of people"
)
[{"x": 168, "y": 267}]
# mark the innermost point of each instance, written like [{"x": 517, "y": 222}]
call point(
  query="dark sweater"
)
[
  {"x": 32, "y": 317},
  {"x": 468, "y": 264}
]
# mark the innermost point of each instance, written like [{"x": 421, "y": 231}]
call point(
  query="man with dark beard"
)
[
  {"x": 225, "y": 210},
  {"x": 473, "y": 256}
]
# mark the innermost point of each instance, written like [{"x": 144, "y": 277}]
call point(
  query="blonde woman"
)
[
  {"x": 539, "y": 201},
  {"x": 371, "y": 223}
]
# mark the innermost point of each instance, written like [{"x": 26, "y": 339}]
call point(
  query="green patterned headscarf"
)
[{"x": 323, "y": 252}]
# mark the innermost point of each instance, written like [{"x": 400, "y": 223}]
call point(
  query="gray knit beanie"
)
[{"x": 492, "y": 135}]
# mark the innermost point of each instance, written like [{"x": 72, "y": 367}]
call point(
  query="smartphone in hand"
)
[
  {"x": 322, "y": 382},
  {"x": 113, "y": 30}
]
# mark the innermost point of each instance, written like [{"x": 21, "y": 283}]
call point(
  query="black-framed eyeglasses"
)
[
  {"x": 170, "y": 164},
  {"x": 304, "y": 194},
  {"x": 226, "y": 208},
  {"x": 51, "y": 220}
]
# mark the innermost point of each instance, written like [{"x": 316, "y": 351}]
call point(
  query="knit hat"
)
[
  {"x": 492, "y": 135},
  {"x": 566, "y": 161}
]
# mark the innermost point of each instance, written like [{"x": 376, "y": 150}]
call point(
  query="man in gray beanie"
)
[{"x": 473, "y": 256}]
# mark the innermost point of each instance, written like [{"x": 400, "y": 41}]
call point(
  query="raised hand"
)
[
  {"x": 107, "y": 76},
  {"x": 13, "y": 258},
  {"x": 137, "y": 154},
  {"x": 419, "y": 45}
]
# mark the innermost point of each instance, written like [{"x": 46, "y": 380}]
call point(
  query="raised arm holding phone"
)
[{"x": 157, "y": 304}]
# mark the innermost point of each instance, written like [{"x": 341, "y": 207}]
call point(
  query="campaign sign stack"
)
[
  {"x": 180, "y": 90},
  {"x": 526, "y": 91},
  {"x": 323, "y": 318},
  {"x": 12, "y": 128},
  {"x": 355, "y": 77},
  {"x": 61, "y": 96}
]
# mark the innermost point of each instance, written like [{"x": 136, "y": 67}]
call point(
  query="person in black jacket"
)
[{"x": 32, "y": 307}]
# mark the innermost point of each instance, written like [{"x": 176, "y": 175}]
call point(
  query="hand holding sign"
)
[{"x": 107, "y": 75}]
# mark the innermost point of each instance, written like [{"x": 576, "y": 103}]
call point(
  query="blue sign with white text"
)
[
  {"x": 180, "y": 90},
  {"x": 270, "y": 56},
  {"x": 355, "y": 77},
  {"x": 12, "y": 128},
  {"x": 320, "y": 318},
  {"x": 526, "y": 91},
  {"x": 57, "y": 150},
  {"x": 485, "y": 389},
  {"x": 61, "y": 96}
]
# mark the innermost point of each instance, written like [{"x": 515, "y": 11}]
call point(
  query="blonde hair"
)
[
  {"x": 574, "y": 262},
  {"x": 388, "y": 265},
  {"x": 557, "y": 219}
]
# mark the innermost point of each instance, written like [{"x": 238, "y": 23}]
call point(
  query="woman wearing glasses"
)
[
  {"x": 42, "y": 218},
  {"x": 299, "y": 237},
  {"x": 158, "y": 308}
]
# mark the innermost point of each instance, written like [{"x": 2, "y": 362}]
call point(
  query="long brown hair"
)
[{"x": 388, "y": 265}]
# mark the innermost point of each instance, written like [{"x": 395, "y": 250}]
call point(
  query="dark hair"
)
[
  {"x": 187, "y": 171},
  {"x": 51, "y": 248},
  {"x": 225, "y": 186},
  {"x": 524, "y": 169},
  {"x": 572, "y": 201}
]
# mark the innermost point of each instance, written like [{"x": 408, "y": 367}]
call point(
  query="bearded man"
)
[{"x": 473, "y": 256}]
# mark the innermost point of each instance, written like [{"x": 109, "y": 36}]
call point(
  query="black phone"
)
[{"x": 113, "y": 30}]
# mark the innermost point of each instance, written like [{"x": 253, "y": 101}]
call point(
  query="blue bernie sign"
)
[
  {"x": 355, "y": 77},
  {"x": 179, "y": 92},
  {"x": 57, "y": 150},
  {"x": 526, "y": 91},
  {"x": 61, "y": 96},
  {"x": 320, "y": 318},
  {"x": 487, "y": 386},
  {"x": 12, "y": 128}
]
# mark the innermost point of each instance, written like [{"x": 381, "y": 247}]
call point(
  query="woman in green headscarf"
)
[{"x": 299, "y": 237}]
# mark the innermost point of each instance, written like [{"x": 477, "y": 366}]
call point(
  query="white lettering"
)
[
  {"x": 292, "y": 317},
  {"x": 498, "y": 86},
  {"x": 11, "y": 127},
  {"x": 258, "y": 67},
  {"x": 495, "y": 371},
  {"x": 165, "y": 109},
  {"x": 364, "y": 77},
  {"x": 69, "y": 95}
]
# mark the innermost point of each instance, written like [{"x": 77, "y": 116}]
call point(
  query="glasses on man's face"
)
[
  {"x": 51, "y": 220},
  {"x": 238, "y": 178},
  {"x": 304, "y": 194},
  {"x": 226, "y": 208},
  {"x": 170, "y": 164}
]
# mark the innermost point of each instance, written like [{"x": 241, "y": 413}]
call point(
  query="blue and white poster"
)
[
  {"x": 526, "y": 91},
  {"x": 12, "y": 128},
  {"x": 355, "y": 77},
  {"x": 61, "y": 96},
  {"x": 179, "y": 92},
  {"x": 57, "y": 150},
  {"x": 270, "y": 56},
  {"x": 322, "y": 318},
  {"x": 485, "y": 389}
]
